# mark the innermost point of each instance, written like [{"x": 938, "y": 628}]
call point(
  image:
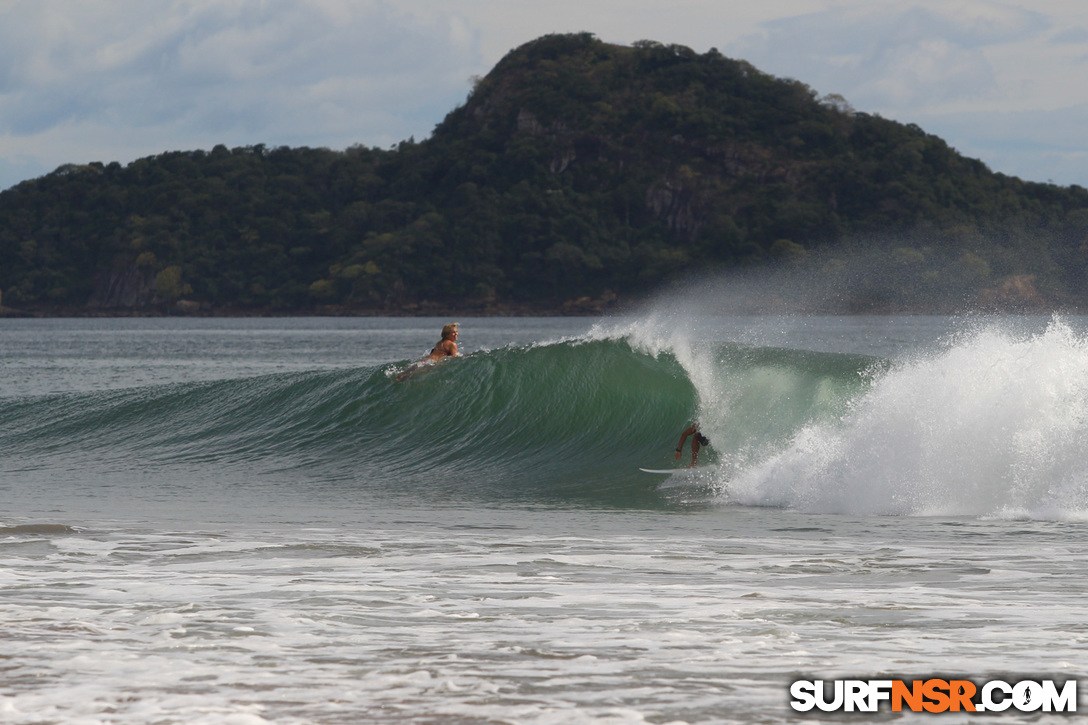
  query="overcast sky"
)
[{"x": 115, "y": 80}]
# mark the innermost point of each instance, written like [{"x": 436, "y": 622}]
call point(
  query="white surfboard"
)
[{"x": 669, "y": 471}]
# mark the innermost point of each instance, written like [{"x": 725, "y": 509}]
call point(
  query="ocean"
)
[{"x": 249, "y": 521}]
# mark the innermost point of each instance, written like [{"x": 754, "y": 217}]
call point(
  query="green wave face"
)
[{"x": 561, "y": 422}]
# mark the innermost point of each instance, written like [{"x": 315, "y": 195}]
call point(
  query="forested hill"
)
[{"x": 577, "y": 172}]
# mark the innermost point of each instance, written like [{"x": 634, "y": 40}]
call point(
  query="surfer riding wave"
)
[{"x": 697, "y": 440}]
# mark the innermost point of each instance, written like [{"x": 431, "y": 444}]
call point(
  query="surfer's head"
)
[{"x": 449, "y": 331}]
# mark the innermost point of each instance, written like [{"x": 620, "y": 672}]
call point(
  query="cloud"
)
[
  {"x": 1040, "y": 145},
  {"x": 1075, "y": 36},
  {"x": 98, "y": 76},
  {"x": 16, "y": 168},
  {"x": 888, "y": 59}
]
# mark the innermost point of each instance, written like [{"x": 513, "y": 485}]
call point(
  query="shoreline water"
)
[{"x": 627, "y": 307}]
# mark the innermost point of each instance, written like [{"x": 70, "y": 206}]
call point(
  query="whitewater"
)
[{"x": 251, "y": 521}]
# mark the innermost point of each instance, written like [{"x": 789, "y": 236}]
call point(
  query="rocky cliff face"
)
[{"x": 125, "y": 285}]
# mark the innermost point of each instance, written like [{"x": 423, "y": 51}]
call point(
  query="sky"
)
[{"x": 117, "y": 80}]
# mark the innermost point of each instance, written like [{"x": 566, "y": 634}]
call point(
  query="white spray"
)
[{"x": 993, "y": 425}]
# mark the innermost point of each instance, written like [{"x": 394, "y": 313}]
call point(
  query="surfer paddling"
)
[
  {"x": 697, "y": 440},
  {"x": 446, "y": 347}
]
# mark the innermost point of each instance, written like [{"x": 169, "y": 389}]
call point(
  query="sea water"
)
[{"x": 250, "y": 521}]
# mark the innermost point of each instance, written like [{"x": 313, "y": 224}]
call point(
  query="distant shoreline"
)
[
  {"x": 526, "y": 311},
  {"x": 244, "y": 312}
]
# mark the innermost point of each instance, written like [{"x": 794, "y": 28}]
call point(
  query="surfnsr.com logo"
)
[{"x": 933, "y": 695}]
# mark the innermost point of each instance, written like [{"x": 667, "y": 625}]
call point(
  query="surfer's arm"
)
[{"x": 683, "y": 437}]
